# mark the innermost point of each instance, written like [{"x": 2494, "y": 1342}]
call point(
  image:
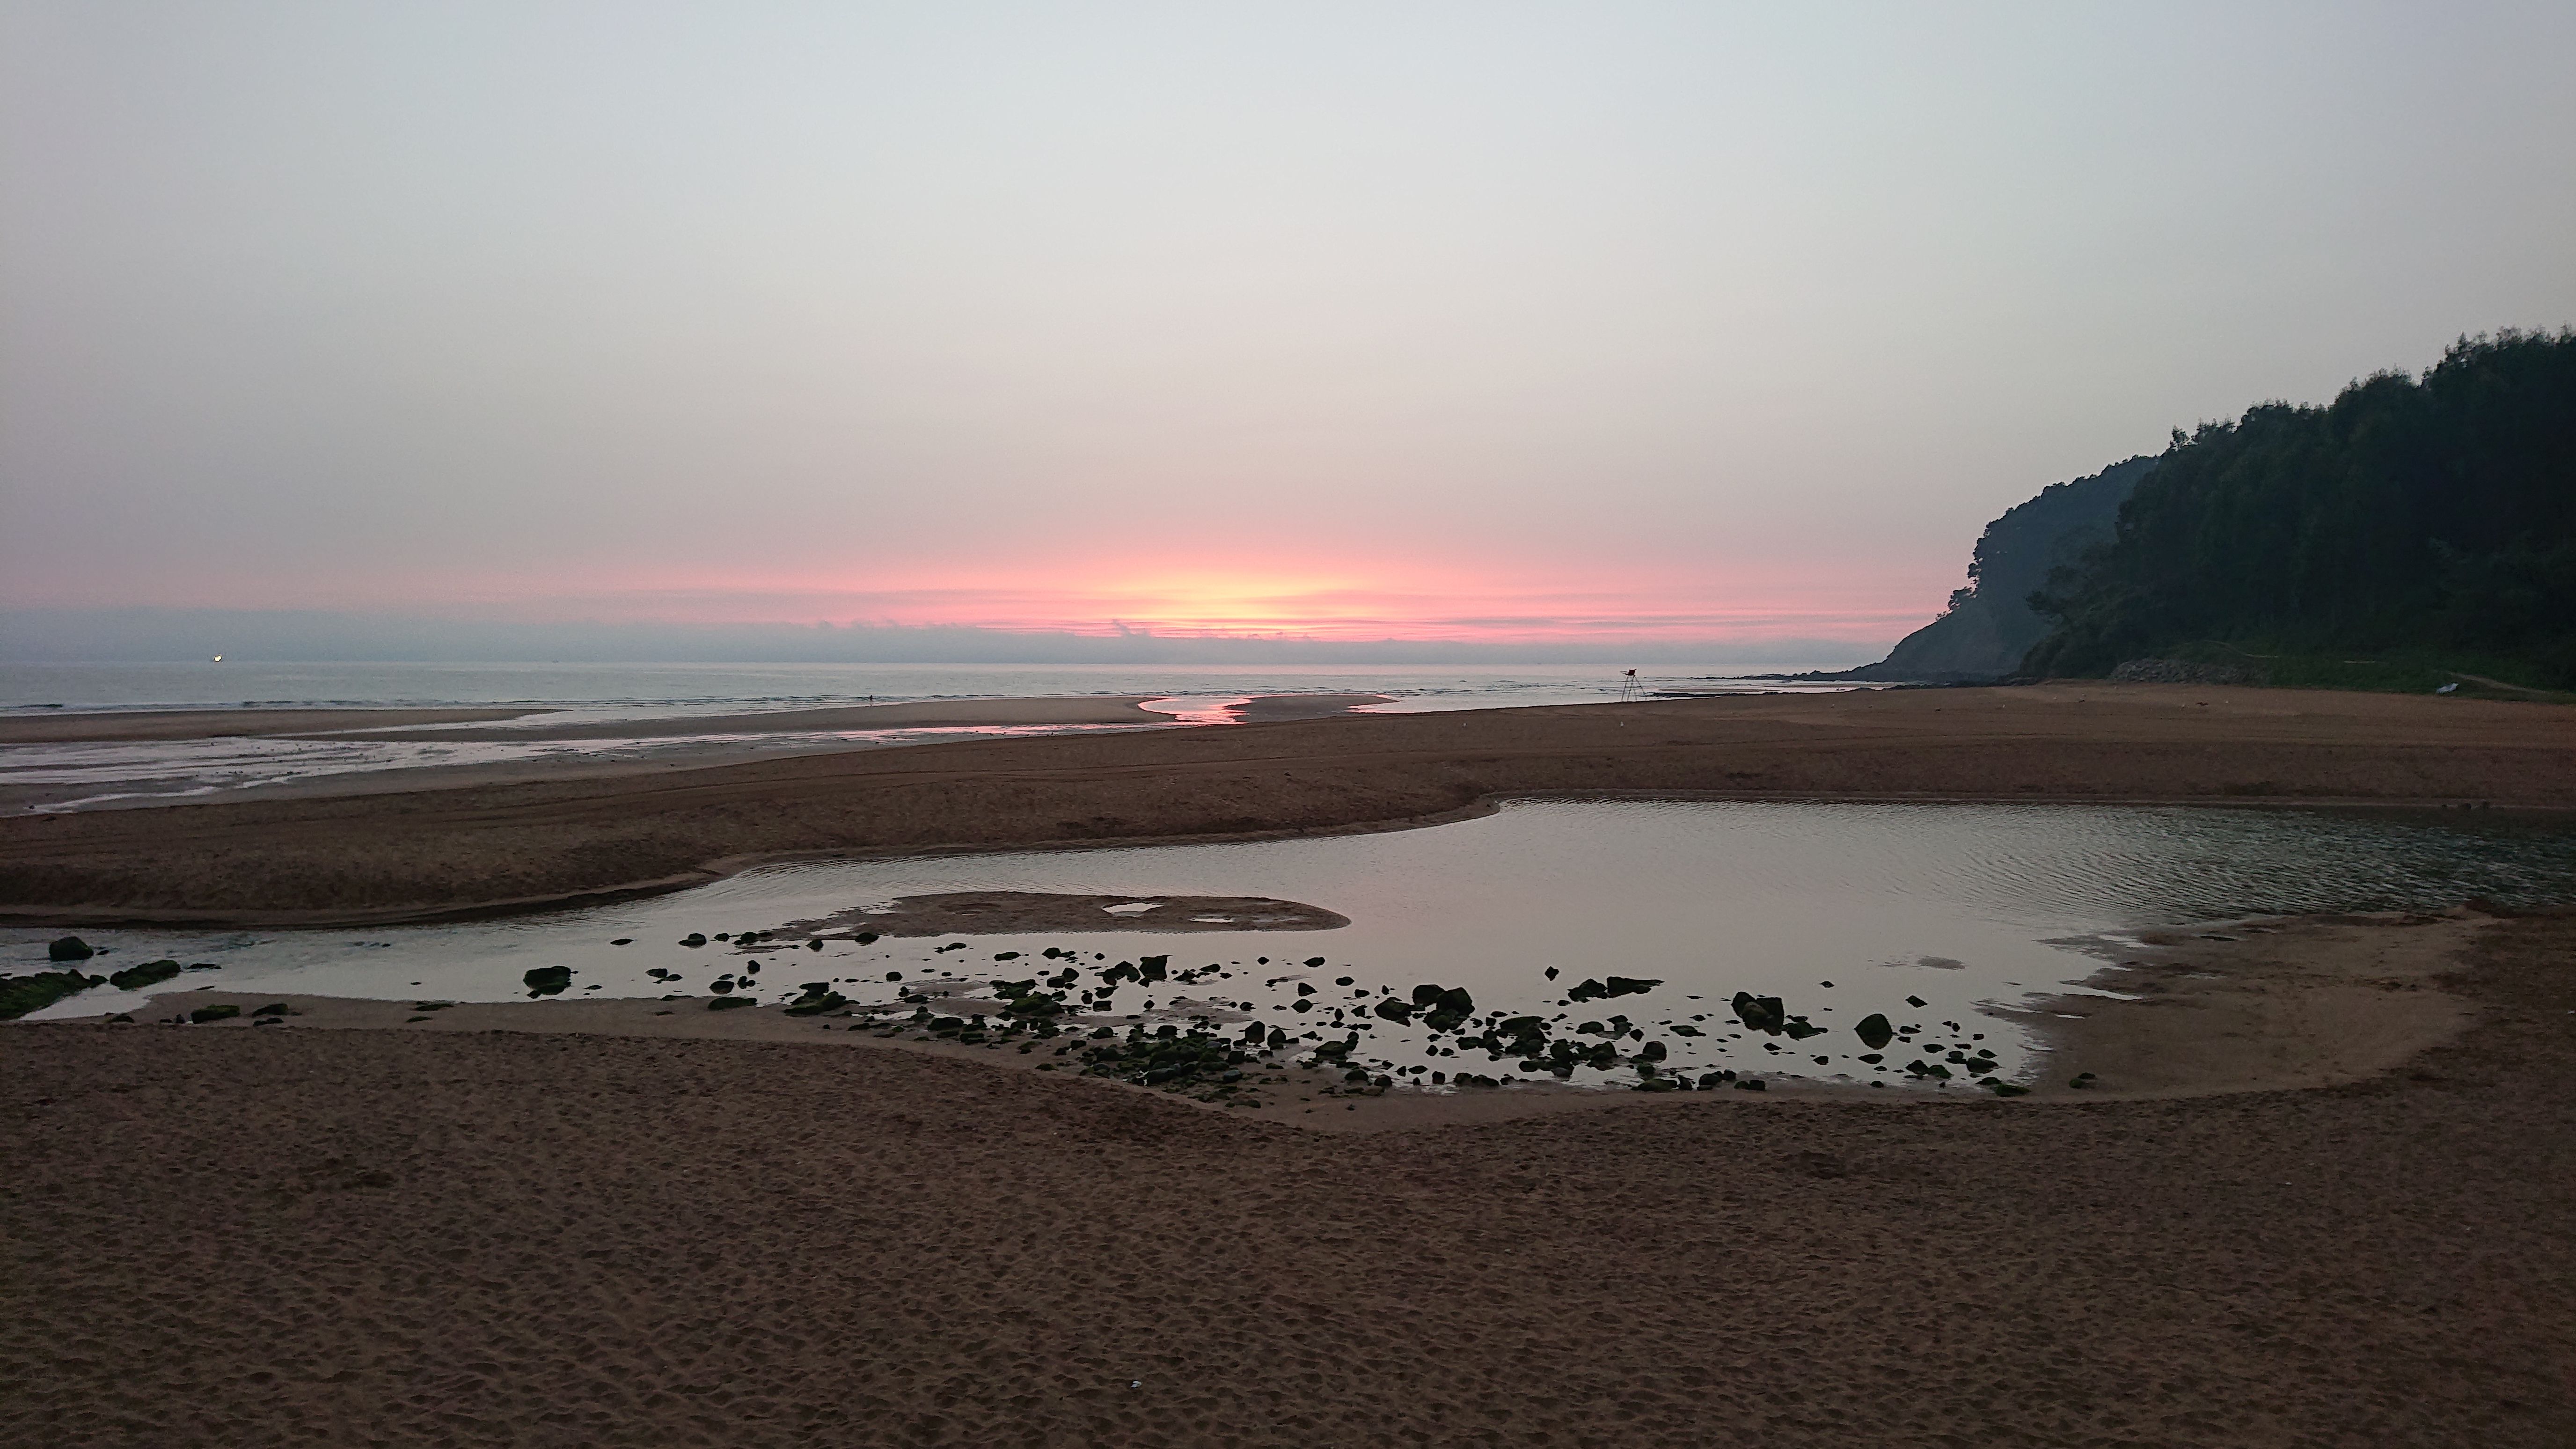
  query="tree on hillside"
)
[{"x": 2431, "y": 512}]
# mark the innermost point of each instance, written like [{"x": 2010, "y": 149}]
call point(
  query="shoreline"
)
[
  {"x": 648, "y": 745},
  {"x": 566, "y": 837},
  {"x": 118, "y": 726}
]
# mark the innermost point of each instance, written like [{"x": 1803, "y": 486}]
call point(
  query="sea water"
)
[
  {"x": 73, "y": 776},
  {"x": 1840, "y": 910}
]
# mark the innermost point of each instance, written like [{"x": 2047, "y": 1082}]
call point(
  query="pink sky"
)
[{"x": 1679, "y": 324}]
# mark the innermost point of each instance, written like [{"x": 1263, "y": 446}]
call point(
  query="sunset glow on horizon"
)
[{"x": 1694, "y": 325}]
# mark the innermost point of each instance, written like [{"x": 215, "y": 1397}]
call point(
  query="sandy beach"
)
[
  {"x": 2300, "y": 1182},
  {"x": 237, "y": 1235}
]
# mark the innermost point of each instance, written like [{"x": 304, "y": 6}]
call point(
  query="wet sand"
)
[
  {"x": 119, "y": 726},
  {"x": 923, "y": 714},
  {"x": 442, "y": 1233},
  {"x": 567, "y": 837}
]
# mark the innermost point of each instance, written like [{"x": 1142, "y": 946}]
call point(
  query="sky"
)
[{"x": 1692, "y": 326}]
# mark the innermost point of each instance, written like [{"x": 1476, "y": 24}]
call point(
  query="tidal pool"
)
[{"x": 1839, "y": 910}]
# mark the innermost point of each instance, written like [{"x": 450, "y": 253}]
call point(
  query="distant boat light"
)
[{"x": 219, "y": 659}]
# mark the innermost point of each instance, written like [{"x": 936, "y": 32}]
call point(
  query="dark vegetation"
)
[{"x": 2412, "y": 529}]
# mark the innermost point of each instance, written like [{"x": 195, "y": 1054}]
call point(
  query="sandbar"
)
[{"x": 1011, "y": 912}]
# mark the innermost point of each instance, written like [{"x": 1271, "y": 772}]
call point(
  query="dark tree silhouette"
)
[{"x": 2431, "y": 513}]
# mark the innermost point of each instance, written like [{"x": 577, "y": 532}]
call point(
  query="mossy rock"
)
[
  {"x": 548, "y": 980},
  {"x": 730, "y": 1003},
  {"x": 69, "y": 948},
  {"x": 22, "y": 994},
  {"x": 204, "y": 1014},
  {"x": 133, "y": 977}
]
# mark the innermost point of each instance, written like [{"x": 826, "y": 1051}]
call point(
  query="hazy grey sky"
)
[{"x": 1475, "y": 320}]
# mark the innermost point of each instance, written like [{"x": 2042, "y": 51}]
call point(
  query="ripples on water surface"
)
[{"x": 1954, "y": 905}]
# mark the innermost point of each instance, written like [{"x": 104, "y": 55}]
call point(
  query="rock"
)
[
  {"x": 204, "y": 1014},
  {"x": 894, "y": 976},
  {"x": 22, "y": 994},
  {"x": 548, "y": 980},
  {"x": 1874, "y": 1031},
  {"x": 1752, "y": 1084},
  {"x": 2008, "y": 1089},
  {"x": 1551, "y": 973},
  {"x": 721, "y": 986},
  {"x": 1314, "y": 960},
  {"x": 1590, "y": 990},
  {"x": 1916, "y": 1002},
  {"x": 623, "y": 941},
  {"x": 693, "y": 940},
  {"x": 1304, "y": 989},
  {"x": 813, "y": 945},
  {"x": 133, "y": 977},
  {"x": 274, "y": 1008},
  {"x": 729, "y": 1003},
  {"x": 1449, "y": 1010},
  {"x": 2082, "y": 1079},
  {"x": 1395, "y": 1011},
  {"x": 70, "y": 948},
  {"x": 819, "y": 997},
  {"x": 1652, "y": 1051},
  {"x": 866, "y": 938},
  {"x": 1761, "y": 1013},
  {"x": 1153, "y": 968}
]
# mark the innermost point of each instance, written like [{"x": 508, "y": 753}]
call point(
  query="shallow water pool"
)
[{"x": 1839, "y": 910}]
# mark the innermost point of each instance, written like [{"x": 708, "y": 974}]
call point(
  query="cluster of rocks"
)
[{"x": 37, "y": 990}]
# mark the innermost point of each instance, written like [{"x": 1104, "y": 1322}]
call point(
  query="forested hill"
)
[
  {"x": 2432, "y": 515},
  {"x": 1989, "y": 625}
]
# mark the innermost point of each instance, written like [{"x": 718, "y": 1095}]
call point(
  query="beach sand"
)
[
  {"x": 2313, "y": 1191},
  {"x": 569, "y": 836},
  {"x": 447, "y": 1234}
]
